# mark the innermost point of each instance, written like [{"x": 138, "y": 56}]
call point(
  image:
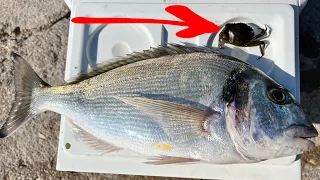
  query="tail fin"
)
[{"x": 26, "y": 80}]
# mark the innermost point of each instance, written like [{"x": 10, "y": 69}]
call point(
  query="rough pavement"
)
[
  {"x": 310, "y": 80},
  {"x": 39, "y": 32}
]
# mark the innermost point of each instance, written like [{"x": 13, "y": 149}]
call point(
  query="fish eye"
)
[{"x": 277, "y": 96}]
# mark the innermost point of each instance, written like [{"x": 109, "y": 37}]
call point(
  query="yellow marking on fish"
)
[
  {"x": 65, "y": 89},
  {"x": 167, "y": 146},
  {"x": 163, "y": 146},
  {"x": 87, "y": 91}
]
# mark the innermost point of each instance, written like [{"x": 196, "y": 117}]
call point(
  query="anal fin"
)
[
  {"x": 161, "y": 160},
  {"x": 92, "y": 141}
]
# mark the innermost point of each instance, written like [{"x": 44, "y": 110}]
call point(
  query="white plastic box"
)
[{"x": 281, "y": 62}]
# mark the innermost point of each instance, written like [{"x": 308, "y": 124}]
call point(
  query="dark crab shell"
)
[{"x": 240, "y": 34}]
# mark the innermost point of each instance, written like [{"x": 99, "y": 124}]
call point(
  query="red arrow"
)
[{"x": 196, "y": 24}]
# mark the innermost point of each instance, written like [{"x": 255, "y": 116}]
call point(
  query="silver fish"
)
[{"x": 174, "y": 104}]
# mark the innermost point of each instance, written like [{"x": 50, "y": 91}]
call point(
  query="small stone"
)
[
  {"x": 68, "y": 145},
  {"x": 311, "y": 161},
  {"x": 41, "y": 136},
  {"x": 21, "y": 164}
]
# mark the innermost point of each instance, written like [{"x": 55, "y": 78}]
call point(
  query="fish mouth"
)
[{"x": 302, "y": 134}]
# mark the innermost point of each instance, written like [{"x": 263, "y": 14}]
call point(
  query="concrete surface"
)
[{"x": 38, "y": 30}]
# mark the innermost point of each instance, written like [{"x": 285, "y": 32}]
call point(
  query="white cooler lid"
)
[
  {"x": 280, "y": 62},
  {"x": 300, "y": 3}
]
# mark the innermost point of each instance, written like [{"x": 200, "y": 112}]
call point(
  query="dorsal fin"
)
[{"x": 170, "y": 49}]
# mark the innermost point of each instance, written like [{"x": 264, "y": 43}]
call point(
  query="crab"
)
[{"x": 243, "y": 35}]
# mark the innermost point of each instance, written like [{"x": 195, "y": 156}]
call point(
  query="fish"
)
[
  {"x": 243, "y": 35},
  {"x": 172, "y": 104}
]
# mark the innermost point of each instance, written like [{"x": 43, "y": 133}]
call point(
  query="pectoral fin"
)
[{"x": 180, "y": 122}]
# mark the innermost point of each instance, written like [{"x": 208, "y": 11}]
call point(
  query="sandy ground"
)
[{"x": 39, "y": 32}]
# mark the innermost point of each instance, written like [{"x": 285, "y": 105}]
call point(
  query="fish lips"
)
[{"x": 301, "y": 133}]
